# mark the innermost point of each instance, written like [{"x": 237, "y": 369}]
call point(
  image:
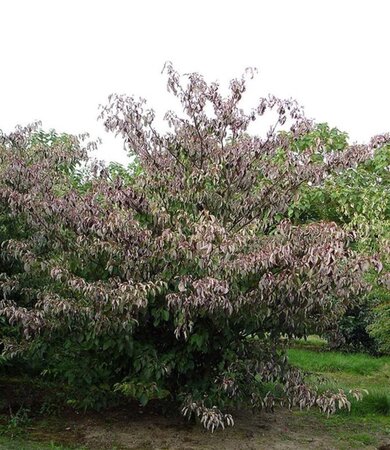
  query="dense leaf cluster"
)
[{"x": 359, "y": 200}]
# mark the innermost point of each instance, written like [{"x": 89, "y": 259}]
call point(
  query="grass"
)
[
  {"x": 349, "y": 431},
  {"x": 349, "y": 371},
  {"x": 356, "y": 363},
  {"x": 7, "y": 443},
  {"x": 25, "y": 440}
]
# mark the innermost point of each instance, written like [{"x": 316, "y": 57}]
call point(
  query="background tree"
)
[{"x": 359, "y": 200}]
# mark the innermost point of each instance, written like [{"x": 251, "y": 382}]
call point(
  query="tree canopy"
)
[{"x": 182, "y": 278}]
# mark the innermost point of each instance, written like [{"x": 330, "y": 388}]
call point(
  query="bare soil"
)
[{"x": 282, "y": 430}]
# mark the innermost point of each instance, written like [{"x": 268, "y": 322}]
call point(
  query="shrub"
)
[
  {"x": 380, "y": 326},
  {"x": 177, "y": 280},
  {"x": 359, "y": 200}
]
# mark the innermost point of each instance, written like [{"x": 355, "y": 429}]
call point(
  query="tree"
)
[
  {"x": 32, "y": 163},
  {"x": 181, "y": 281},
  {"x": 358, "y": 199}
]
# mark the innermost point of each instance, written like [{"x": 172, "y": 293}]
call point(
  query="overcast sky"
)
[{"x": 61, "y": 58}]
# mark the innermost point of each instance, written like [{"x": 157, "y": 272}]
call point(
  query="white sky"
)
[{"x": 59, "y": 59}]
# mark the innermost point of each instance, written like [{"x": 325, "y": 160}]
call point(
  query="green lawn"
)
[
  {"x": 7, "y": 443},
  {"x": 349, "y": 371},
  {"x": 356, "y": 363}
]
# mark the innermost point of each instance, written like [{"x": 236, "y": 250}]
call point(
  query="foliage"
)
[
  {"x": 380, "y": 326},
  {"x": 30, "y": 150},
  {"x": 16, "y": 423},
  {"x": 352, "y": 333},
  {"x": 178, "y": 279},
  {"x": 359, "y": 200}
]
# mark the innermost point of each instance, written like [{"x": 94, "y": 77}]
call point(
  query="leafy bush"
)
[
  {"x": 178, "y": 279},
  {"x": 380, "y": 326},
  {"x": 352, "y": 331},
  {"x": 359, "y": 200}
]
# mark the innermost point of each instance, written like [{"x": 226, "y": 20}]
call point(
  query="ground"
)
[
  {"x": 282, "y": 430},
  {"x": 366, "y": 427}
]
